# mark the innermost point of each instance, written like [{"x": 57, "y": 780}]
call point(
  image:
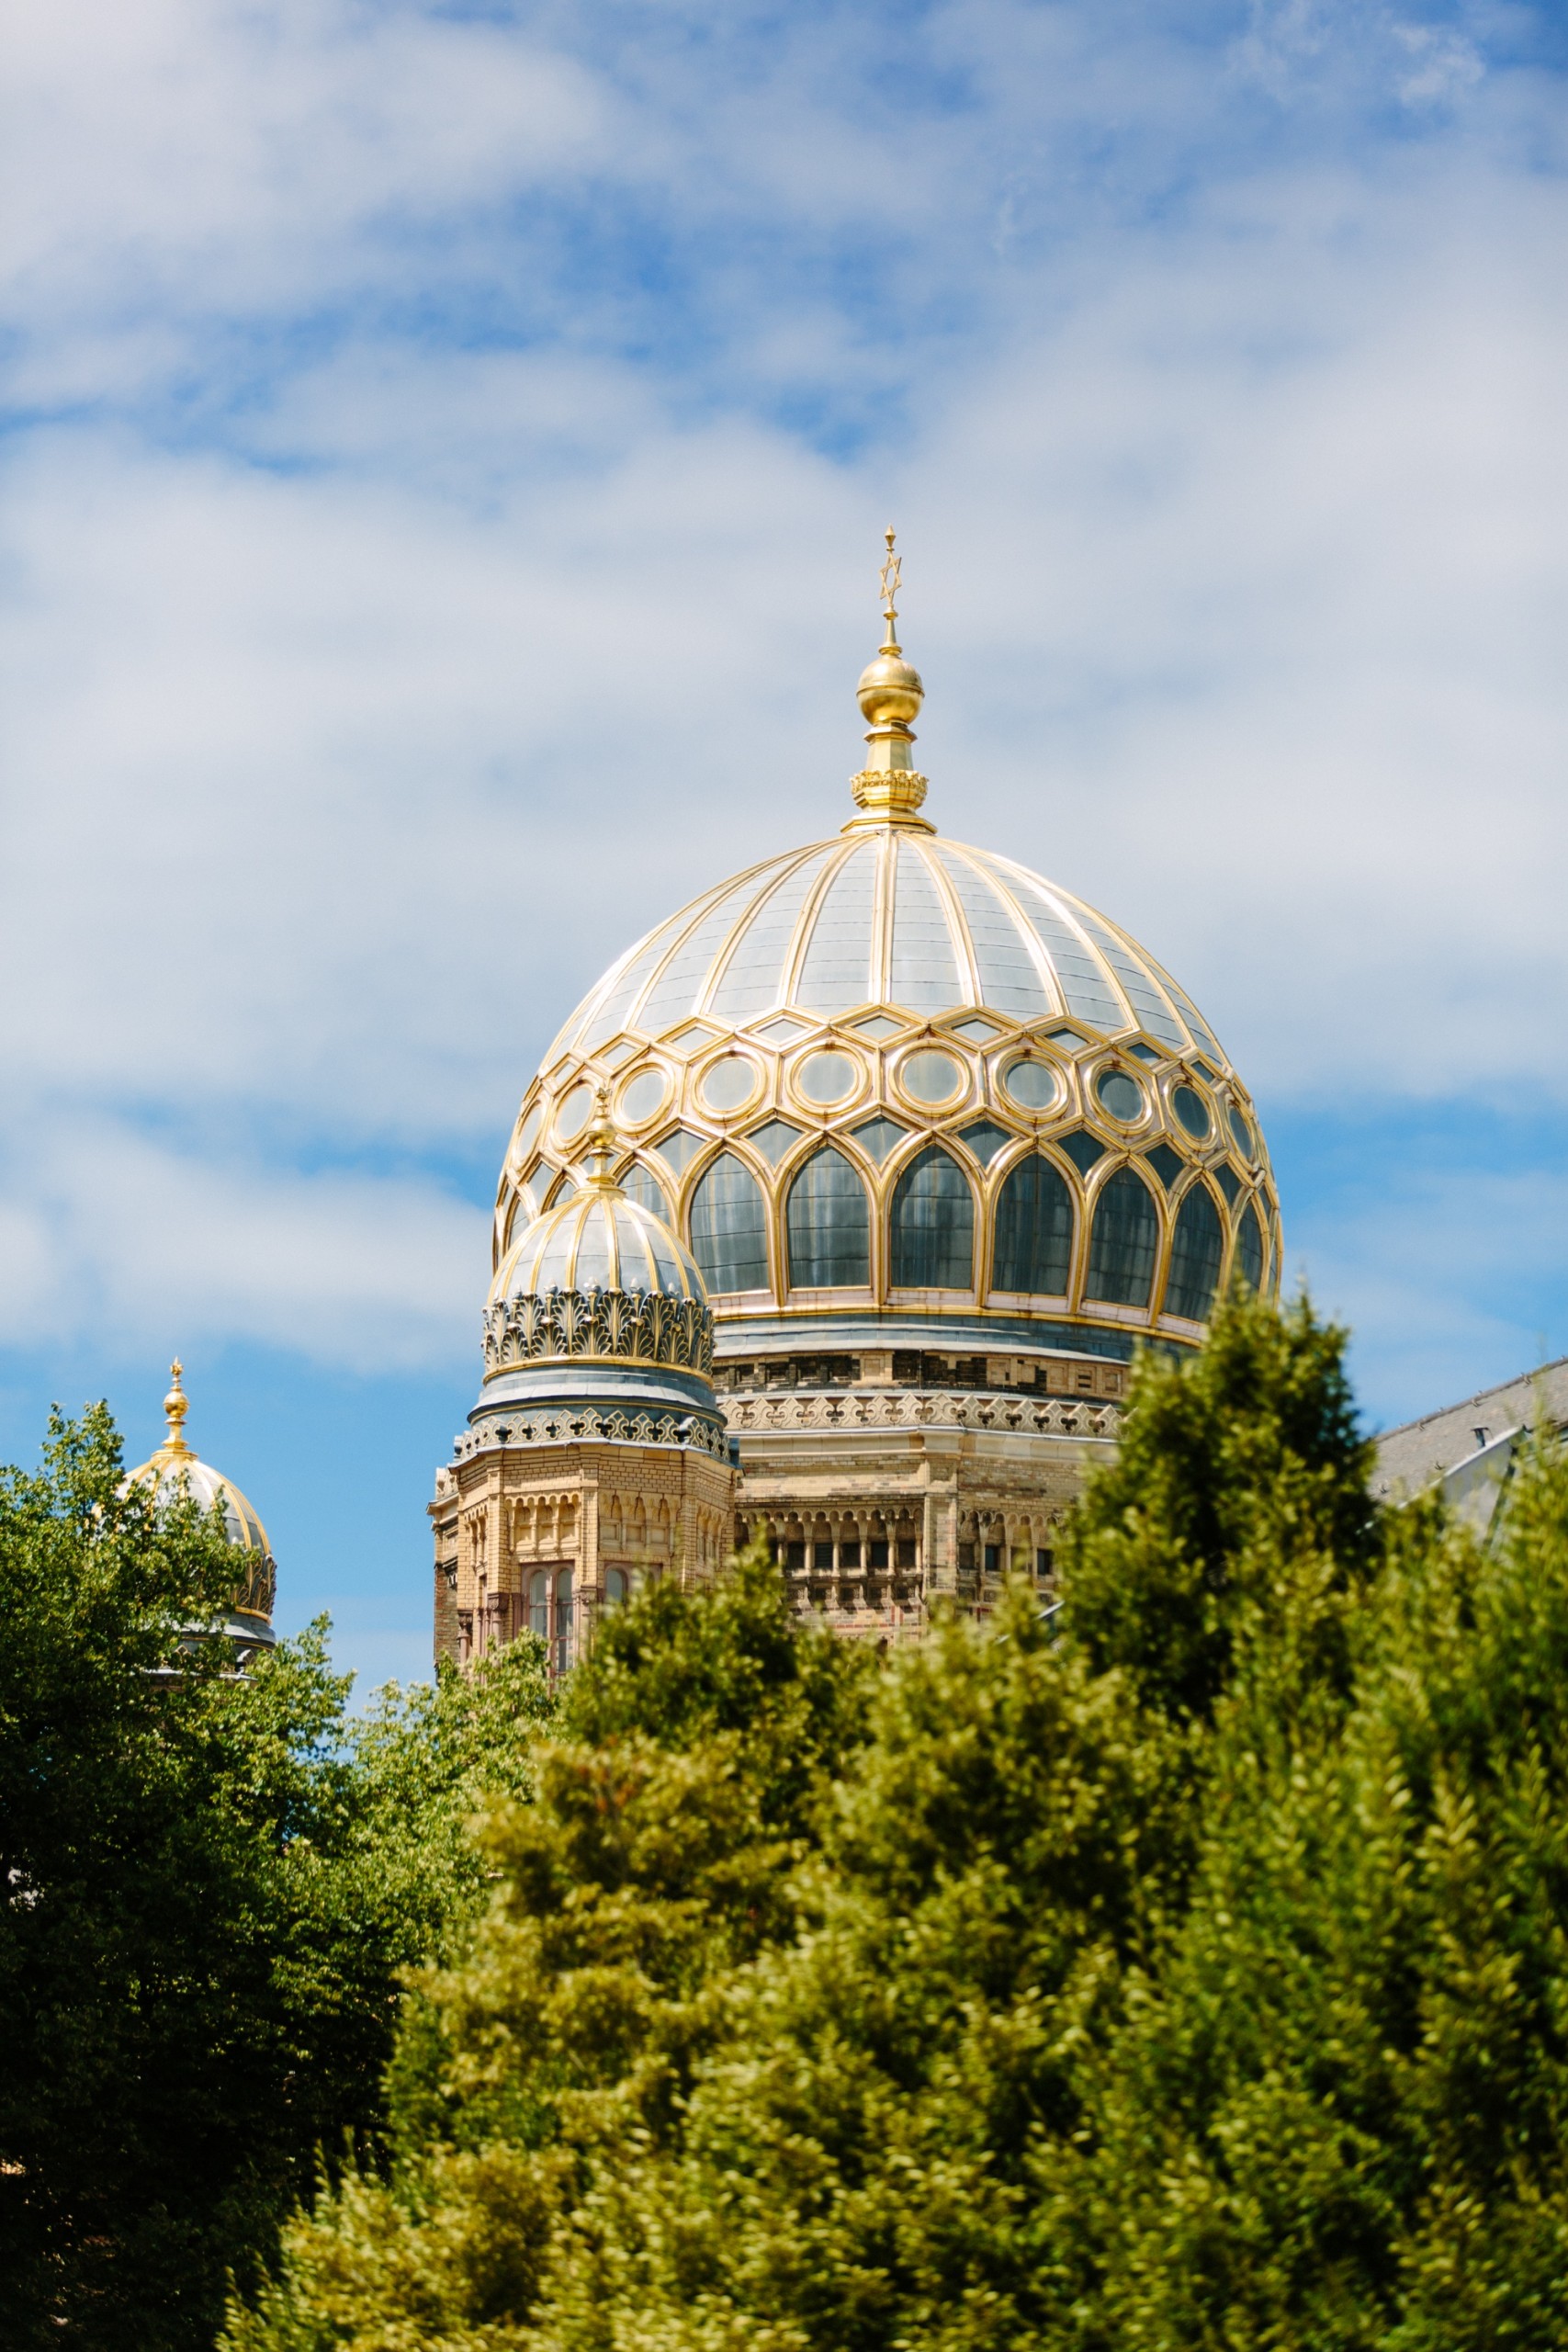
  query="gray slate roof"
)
[{"x": 1419, "y": 1453}]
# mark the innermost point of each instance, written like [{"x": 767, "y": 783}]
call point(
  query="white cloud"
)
[
  {"x": 113, "y": 1237},
  {"x": 378, "y": 668}
]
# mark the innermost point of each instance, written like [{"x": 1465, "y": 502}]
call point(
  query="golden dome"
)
[
  {"x": 890, "y": 1080},
  {"x": 173, "y": 1471}
]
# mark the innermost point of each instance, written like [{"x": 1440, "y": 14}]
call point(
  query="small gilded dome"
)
[
  {"x": 174, "y": 1473},
  {"x": 597, "y": 1239}
]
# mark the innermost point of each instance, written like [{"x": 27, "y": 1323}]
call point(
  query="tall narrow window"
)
[
  {"x": 1123, "y": 1242},
  {"x": 1196, "y": 1249},
  {"x": 539, "y": 1603},
  {"x": 1034, "y": 1229},
  {"x": 616, "y": 1587},
  {"x": 933, "y": 1226},
  {"x": 729, "y": 1226},
  {"x": 563, "y": 1620},
  {"x": 1249, "y": 1247},
  {"x": 829, "y": 1225}
]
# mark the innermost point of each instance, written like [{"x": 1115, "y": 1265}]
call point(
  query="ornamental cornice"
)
[
  {"x": 560, "y": 1426},
  {"x": 922, "y": 1409},
  {"x": 603, "y": 1326}
]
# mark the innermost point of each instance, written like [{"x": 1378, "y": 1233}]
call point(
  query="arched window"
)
[
  {"x": 539, "y": 1603},
  {"x": 1249, "y": 1247},
  {"x": 829, "y": 1225},
  {"x": 1196, "y": 1249},
  {"x": 640, "y": 1184},
  {"x": 618, "y": 1585},
  {"x": 563, "y": 1620},
  {"x": 1123, "y": 1243},
  {"x": 933, "y": 1224},
  {"x": 729, "y": 1226},
  {"x": 1034, "y": 1229}
]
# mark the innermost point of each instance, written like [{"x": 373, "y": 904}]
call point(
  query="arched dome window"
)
[
  {"x": 1123, "y": 1243},
  {"x": 640, "y": 1184},
  {"x": 829, "y": 1225},
  {"x": 1197, "y": 1248},
  {"x": 933, "y": 1226},
  {"x": 1034, "y": 1229},
  {"x": 729, "y": 1226},
  {"x": 1249, "y": 1247}
]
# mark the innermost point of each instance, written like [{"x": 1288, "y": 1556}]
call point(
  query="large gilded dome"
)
[{"x": 890, "y": 1090}]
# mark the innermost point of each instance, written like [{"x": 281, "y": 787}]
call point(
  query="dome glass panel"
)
[
  {"x": 826, "y": 1077},
  {"x": 925, "y": 974},
  {"x": 1197, "y": 1248},
  {"x": 730, "y": 1084},
  {"x": 1241, "y": 1128},
  {"x": 571, "y": 1113},
  {"x": 641, "y": 1185},
  {"x": 527, "y": 1136},
  {"x": 1034, "y": 1230},
  {"x": 642, "y": 1097},
  {"x": 729, "y": 1228},
  {"x": 1033, "y": 1086},
  {"x": 836, "y": 974},
  {"x": 933, "y": 1226},
  {"x": 681, "y": 977},
  {"x": 1121, "y": 1095},
  {"x": 877, "y": 1137},
  {"x": 1249, "y": 1247},
  {"x": 828, "y": 1222},
  {"x": 1192, "y": 1111},
  {"x": 1009, "y": 977},
  {"x": 754, "y": 973},
  {"x": 1086, "y": 992},
  {"x": 931, "y": 1075},
  {"x": 1123, "y": 1242}
]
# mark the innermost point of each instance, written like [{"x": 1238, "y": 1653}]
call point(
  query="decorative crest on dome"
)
[
  {"x": 176, "y": 1405},
  {"x": 604, "y": 1144},
  {"x": 889, "y": 788}
]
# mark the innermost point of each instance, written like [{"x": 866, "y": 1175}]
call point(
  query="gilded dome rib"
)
[{"x": 957, "y": 924}]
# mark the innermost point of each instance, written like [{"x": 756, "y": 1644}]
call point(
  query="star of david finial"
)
[{"x": 892, "y": 573}]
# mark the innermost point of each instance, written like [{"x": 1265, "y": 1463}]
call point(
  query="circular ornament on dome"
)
[
  {"x": 1031, "y": 1085},
  {"x": 1241, "y": 1128},
  {"x": 826, "y": 1077},
  {"x": 1121, "y": 1095},
  {"x": 572, "y": 1112},
  {"x": 527, "y": 1136},
  {"x": 931, "y": 1075},
  {"x": 728, "y": 1085},
  {"x": 1192, "y": 1111},
  {"x": 643, "y": 1097}
]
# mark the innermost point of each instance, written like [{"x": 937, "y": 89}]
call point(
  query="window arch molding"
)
[
  {"x": 828, "y": 1221},
  {"x": 716, "y": 1231},
  {"x": 933, "y": 1226},
  {"x": 1171, "y": 1272},
  {"x": 1101, "y": 1267},
  {"x": 998, "y": 1241}
]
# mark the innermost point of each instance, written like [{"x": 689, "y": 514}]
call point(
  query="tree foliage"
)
[
  {"x": 1192, "y": 1975},
  {"x": 208, "y": 1886}
]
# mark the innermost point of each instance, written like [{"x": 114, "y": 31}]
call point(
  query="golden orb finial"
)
[
  {"x": 176, "y": 1405},
  {"x": 889, "y": 788},
  {"x": 604, "y": 1144}
]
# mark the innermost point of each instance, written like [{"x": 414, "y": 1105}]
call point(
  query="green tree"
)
[
  {"x": 1189, "y": 1974},
  {"x": 208, "y": 1884},
  {"x": 697, "y": 1745}
]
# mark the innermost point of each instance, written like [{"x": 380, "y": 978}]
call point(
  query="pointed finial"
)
[
  {"x": 603, "y": 1145},
  {"x": 889, "y": 788},
  {"x": 176, "y": 1406},
  {"x": 892, "y": 576}
]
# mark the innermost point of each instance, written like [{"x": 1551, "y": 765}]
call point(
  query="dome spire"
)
[
  {"x": 604, "y": 1144},
  {"x": 889, "y": 788},
  {"x": 176, "y": 1405}
]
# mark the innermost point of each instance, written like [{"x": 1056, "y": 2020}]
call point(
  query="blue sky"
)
[{"x": 446, "y": 451}]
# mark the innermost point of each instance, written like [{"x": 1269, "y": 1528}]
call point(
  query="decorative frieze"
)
[
  {"x": 612, "y": 1325},
  {"x": 922, "y": 1409}
]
